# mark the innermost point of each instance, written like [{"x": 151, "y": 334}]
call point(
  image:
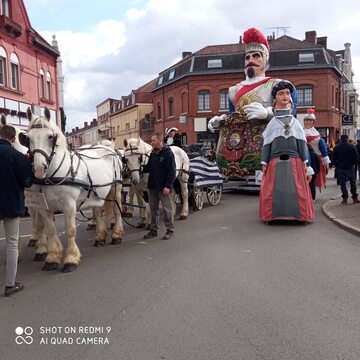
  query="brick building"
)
[
  {"x": 87, "y": 135},
  {"x": 28, "y": 67},
  {"x": 195, "y": 89}
]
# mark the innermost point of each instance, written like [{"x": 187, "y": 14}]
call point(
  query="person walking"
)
[
  {"x": 345, "y": 158},
  {"x": 15, "y": 175},
  {"x": 162, "y": 170},
  {"x": 357, "y": 171},
  {"x": 315, "y": 164}
]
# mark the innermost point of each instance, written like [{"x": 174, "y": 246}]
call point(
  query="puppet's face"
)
[
  {"x": 308, "y": 123},
  {"x": 255, "y": 64},
  {"x": 282, "y": 99}
]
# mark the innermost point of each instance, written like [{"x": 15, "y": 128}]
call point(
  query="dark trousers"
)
[
  {"x": 344, "y": 176},
  {"x": 313, "y": 187}
]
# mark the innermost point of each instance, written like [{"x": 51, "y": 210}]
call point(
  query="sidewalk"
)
[{"x": 345, "y": 216}]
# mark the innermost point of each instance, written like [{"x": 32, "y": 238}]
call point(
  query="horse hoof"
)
[
  {"x": 69, "y": 268},
  {"x": 50, "y": 266},
  {"x": 91, "y": 227},
  {"x": 40, "y": 257},
  {"x": 32, "y": 243},
  {"x": 116, "y": 241},
  {"x": 183, "y": 217},
  {"x": 141, "y": 226},
  {"x": 99, "y": 243}
]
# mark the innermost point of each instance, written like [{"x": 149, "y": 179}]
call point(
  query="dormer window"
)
[
  {"x": 214, "y": 63},
  {"x": 161, "y": 80},
  {"x": 306, "y": 58},
  {"x": 4, "y": 7},
  {"x": 171, "y": 74}
]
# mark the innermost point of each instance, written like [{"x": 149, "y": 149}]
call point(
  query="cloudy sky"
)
[{"x": 110, "y": 47}]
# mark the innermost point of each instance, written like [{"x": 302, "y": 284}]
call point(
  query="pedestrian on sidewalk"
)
[
  {"x": 315, "y": 164},
  {"x": 357, "y": 146},
  {"x": 345, "y": 158},
  {"x": 15, "y": 175},
  {"x": 162, "y": 169}
]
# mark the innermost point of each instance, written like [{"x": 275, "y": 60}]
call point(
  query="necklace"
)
[{"x": 286, "y": 125}]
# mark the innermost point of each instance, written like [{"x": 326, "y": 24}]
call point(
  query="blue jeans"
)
[{"x": 347, "y": 175}]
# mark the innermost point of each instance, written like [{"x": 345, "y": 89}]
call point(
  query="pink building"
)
[{"x": 28, "y": 67}]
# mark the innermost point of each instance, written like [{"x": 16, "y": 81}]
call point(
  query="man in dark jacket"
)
[
  {"x": 162, "y": 169},
  {"x": 15, "y": 174},
  {"x": 345, "y": 158}
]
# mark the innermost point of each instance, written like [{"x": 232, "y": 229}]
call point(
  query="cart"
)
[{"x": 204, "y": 178}]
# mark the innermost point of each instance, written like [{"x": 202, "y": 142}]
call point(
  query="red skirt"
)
[
  {"x": 274, "y": 200},
  {"x": 320, "y": 180}
]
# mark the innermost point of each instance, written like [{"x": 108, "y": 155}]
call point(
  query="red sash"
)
[
  {"x": 311, "y": 138},
  {"x": 247, "y": 88}
]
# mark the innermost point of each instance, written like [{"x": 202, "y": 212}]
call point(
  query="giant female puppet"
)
[
  {"x": 318, "y": 144},
  {"x": 250, "y": 104},
  {"x": 285, "y": 192}
]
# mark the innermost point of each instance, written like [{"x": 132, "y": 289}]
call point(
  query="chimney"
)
[
  {"x": 310, "y": 36},
  {"x": 322, "y": 41},
  {"x": 85, "y": 124},
  {"x": 186, "y": 54},
  {"x": 240, "y": 39},
  {"x": 76, "y": 128},
  {"x": 347, "y": 53}
]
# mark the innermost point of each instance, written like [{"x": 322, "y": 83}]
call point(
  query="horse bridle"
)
[
  {"x": 135, "y": 151},
  {"x": 42, "y": 152}
]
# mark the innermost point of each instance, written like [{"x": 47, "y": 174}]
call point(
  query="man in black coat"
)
[
  {"x": 162, "y": 170},
  {"x": 345, "y": 158},
  {"x": 15, "y": 175}
]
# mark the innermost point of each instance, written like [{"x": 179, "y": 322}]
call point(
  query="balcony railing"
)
[{"x": 10, "y": 26}]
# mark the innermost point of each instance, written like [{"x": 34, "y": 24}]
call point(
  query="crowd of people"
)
[{"x": 294, "y": 158}]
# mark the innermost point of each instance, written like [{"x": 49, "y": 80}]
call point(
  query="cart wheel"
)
[
  {"x": 213, "y": 195},
  {"x": 198, "y": 198}
]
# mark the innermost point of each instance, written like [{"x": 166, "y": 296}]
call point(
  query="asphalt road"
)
[{"x": 226, "y": 287}]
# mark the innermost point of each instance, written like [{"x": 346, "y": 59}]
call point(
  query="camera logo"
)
[{"x": 24, "y": 335}]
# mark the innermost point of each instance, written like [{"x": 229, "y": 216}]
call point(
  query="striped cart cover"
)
[{"x": 205, "y": 173}]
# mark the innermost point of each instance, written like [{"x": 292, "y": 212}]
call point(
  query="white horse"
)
[
  {"x": 70, "y": 182},
  {"x": 137, "y": 154}
]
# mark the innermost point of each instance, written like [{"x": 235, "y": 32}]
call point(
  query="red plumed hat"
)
[
  {"x": 310, "y": 114},
  {"x": 254, "y": 40}
]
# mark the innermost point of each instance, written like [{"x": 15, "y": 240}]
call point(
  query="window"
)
[
  {"x": 204, "y": 101},
  {"x": 42, "y": 83},
  {"x": 14, "y": 71},
  {"x": 2, "y": 66},
  {"x": 158, "y": 111},
  {"x": 48, "y": 85},
  {"x": 4, "y": 7},
  {"x": 171, "y": 106},
  {"x": 224, "y": 100},
  {"x": 215, "y": 63},
  {"x": 352, "y": 105},
  {"x": 171, "y": 74},
  {"x": 306, "y": 57},
  {"x": 305, "y": 96},
  {"x": 127, "y": 127},
  {"x": 161, "y": 80}
]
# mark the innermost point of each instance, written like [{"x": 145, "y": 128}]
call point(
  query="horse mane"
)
[
  {"x": 133, "y": 143},
  {"x": 42, "y": 122}
]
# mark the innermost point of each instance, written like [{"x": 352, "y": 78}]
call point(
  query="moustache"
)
[{"x": 251, "y": 64}]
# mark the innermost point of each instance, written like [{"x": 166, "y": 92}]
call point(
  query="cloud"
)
[{"x": 119, "y": 55}]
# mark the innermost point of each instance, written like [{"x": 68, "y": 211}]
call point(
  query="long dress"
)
[
  {"x": 313, "y": 137},
  {"x": 285, "y": 192}
]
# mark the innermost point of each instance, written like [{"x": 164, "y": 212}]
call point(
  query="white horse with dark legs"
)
[
  {"x": 70, "y": 182},
  {"x": 38, "y": 238},
  {"x": 137, "y": 154}
]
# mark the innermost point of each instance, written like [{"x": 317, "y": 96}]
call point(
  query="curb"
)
[{"x": 339, "y": 222}]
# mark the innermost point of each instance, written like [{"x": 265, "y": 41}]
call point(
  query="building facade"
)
[
  {"x": 87, "y": 135},
  {"x": 130, "y": 112},
  {"x": 28, "y": 67},
  {"x": 195, "y": 89},
  {"x": 103, "y": 111}
]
